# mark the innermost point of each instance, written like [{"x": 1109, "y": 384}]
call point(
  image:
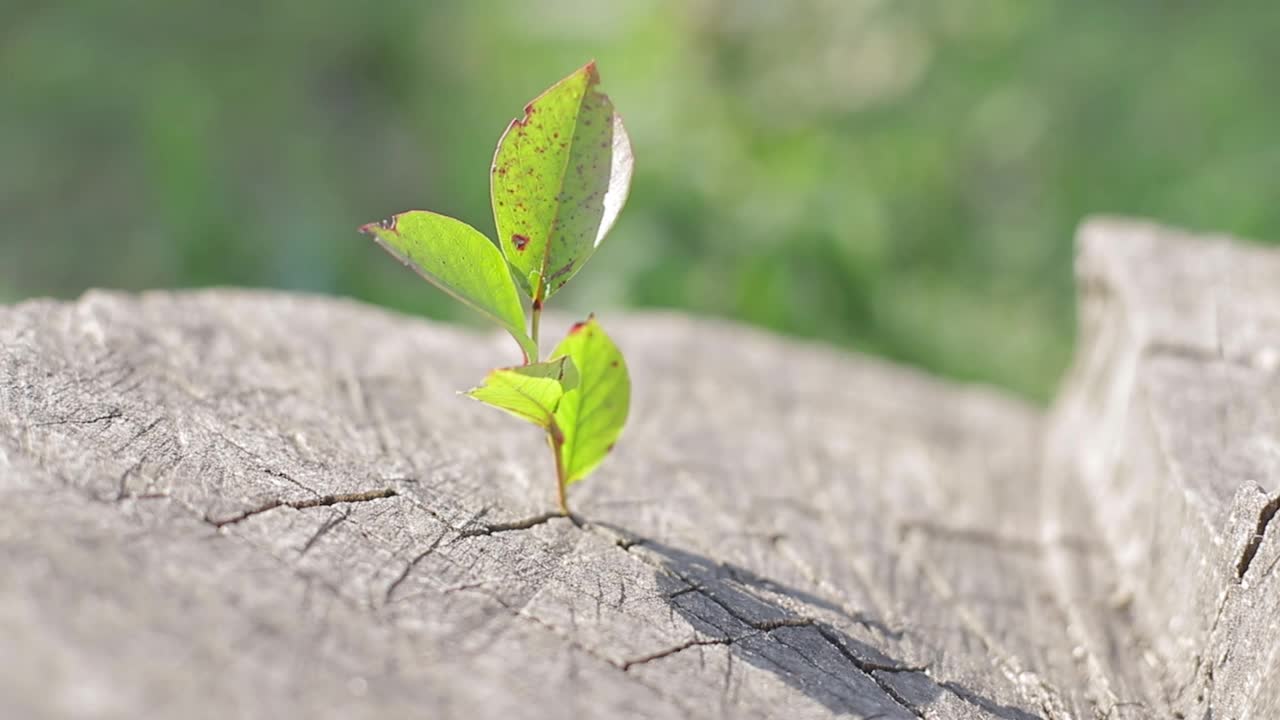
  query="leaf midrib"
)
[
  {"x": 536, "y": 402},
  {"x": 555, "y": 214}
]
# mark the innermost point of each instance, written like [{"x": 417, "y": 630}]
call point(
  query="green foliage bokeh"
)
[{"x": 898, "y": 177}]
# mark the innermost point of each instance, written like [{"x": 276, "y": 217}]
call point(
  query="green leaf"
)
[
  {"x": 460, "y": 260},
  {"x": 559, "y": 179},
  {"x": 530, "y": 392},
  {"x": 591, "y": 415}
]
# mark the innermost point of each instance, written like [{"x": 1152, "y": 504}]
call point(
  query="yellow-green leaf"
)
[
  {"x": 560, "y": 177},
  {"x": 460, "y": 260},
  {"x": 591, "y": 415},
  {"x": 530, "y": 392}
]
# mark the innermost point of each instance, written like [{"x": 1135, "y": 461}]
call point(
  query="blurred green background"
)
[{"x": 900, "y": 177}]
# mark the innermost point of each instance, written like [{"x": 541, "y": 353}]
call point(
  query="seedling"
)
[{"x": 560, "y": 177}]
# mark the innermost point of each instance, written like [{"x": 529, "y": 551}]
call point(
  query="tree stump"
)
[{"x": 247, "y": 504}]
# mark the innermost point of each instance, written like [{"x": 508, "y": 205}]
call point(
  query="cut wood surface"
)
[{"x": 245, "y": 504}]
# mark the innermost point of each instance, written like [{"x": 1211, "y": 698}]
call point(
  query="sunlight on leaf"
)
[
  {"x": 559, "y": 179},
  {"x": 591, "y": 415},
  {"x": 460, "y": 260}
]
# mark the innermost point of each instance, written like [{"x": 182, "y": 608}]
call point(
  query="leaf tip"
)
[
  {"x": 388, "y": 224},
  {"x": 579, "y": 325}
]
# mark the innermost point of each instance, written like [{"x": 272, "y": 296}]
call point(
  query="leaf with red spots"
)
[
  {"x": 458, "y": 259},
  {"x": 591, "y": 415},
  {"x": 530, "y": 392},
  {"x": 559, "y": 179}
]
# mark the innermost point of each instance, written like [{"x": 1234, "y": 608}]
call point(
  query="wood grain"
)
[{"x": 245, "y": 504}]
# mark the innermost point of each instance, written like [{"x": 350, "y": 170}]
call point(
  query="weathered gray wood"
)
[
  {"x": 1168, "y": 429},
  {"x": 261, "y": 505}
]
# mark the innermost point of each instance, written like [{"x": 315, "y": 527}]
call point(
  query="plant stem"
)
[
  {"x": 537, "y": 318},
  {"x": 555, "y": 438}
]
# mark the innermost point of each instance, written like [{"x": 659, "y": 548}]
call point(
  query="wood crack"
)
[
  {"x": 323, "y": 501},
  {"x": 870, "y": 669},
  {"x": 766, "y": 626},
  {"x": 323, "y": 530},
  {"x": 408, "y": 568},
  {"x": 588, "y": 651},
  {"x": 1265, "y": 516},
  {"x": 668, "y": 652},
  {"x": 112, "y": 414},
  {"x": 521, "y": 524}
]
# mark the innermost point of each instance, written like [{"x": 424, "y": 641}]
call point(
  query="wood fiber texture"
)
[{"x": 243, "y": 504}]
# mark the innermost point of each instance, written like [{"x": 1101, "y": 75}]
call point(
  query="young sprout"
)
[{"x": 560, "y": 177}]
